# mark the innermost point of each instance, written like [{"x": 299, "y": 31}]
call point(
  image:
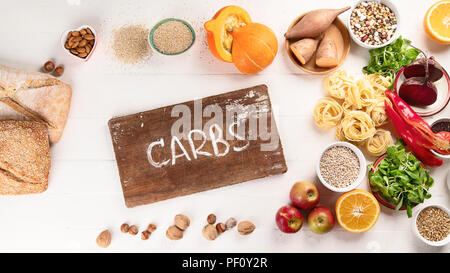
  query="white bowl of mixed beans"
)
[{"x": 373, "y": 23}]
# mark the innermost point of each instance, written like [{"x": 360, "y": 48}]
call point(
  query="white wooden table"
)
[{"x": 84, "y": 195}]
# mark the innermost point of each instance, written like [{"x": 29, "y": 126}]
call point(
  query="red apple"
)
[
  {"x": 289, "y": 219},
  {"x": 320, "y": 220},
  {"x": 304, "y": 195}
]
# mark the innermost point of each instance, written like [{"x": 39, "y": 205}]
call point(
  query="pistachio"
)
[{"x": 230, "y": 223}]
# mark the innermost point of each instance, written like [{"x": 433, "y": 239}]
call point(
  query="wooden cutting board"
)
[{"x": 160, "y": 157}]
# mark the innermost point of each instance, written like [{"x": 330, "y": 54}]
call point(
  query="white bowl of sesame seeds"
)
[
  {"x": 432, "y": 225},
  {"x": 373, "y": 23},
  {"x": 341, "y": 167}
]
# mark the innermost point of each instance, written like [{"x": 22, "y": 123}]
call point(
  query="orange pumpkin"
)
[
  {"x": 219, "y": 29},
  {"x": 254, "y": 47}
]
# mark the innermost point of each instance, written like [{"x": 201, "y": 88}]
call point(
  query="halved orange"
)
[
  {"x": 437, "y": 22},
  {"x": 357, "y": 211}
]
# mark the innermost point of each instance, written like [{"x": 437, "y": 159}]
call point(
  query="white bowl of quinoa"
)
[
  {"x": 373, "y": 23},
  {"x": 341, "y": 167},
  {"x": 432, "y": 225}
]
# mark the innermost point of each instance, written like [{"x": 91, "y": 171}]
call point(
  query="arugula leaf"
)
[
  {"x": 400, "y": 179},
  {"x": 388, "y": 60}
]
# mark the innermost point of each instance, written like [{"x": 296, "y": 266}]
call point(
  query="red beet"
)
[
  {"x": 418, "y": 91},
  {"x": 417, "y": 69}
]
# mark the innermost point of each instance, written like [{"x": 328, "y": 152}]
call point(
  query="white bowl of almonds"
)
[
  {"x": 79, "y": 43},
  {"x": 373, "y": 23},
  {"x": 432, "y": 225},
  {"x": 341, "y": 167}
]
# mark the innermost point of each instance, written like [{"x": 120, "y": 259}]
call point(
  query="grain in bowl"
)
[
  {"x": 172, "y": 36},
  {"x": 432, "y": 225},
  {"x": 373, "y": 23},
  {"x": 341, "y": 167}
]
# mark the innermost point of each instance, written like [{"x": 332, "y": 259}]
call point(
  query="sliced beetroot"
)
[
  {"x": 417, "y": 69},
  {"x": 418, "y": 91}
]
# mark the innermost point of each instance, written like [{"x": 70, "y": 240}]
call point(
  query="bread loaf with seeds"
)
[{"x": 24, "y": 157}]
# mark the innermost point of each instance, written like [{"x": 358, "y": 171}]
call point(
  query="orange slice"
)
[
  {"x": 357, "y": 211},
  {"x": 437, "y": 22}
]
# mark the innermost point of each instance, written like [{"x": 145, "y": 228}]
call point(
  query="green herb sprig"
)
[
  {"x": 400, "y": 179},
  {"x": 388, "y": 60}
]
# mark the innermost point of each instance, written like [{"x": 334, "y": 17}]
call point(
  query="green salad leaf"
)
[
  {"x": 388, "y": 60},
  {"x": 400, "y": 179}
]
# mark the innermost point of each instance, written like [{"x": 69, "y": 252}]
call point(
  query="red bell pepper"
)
[
  {"x": 411, "y": 138},
  {"x": 444, "y": 134},
  {"x": 439, "y": 143}
]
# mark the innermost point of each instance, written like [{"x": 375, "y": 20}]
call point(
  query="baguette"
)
[
  {"x": 24, "y": 157},
  {"x": 35, "y": 96}
]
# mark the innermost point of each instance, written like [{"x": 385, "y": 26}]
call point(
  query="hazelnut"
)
[
  {"x": 133, "y": 230},
  {"x": 182, "y": 221},
  {"x": 246, "y": 227},
  {"x": 230, "y": 223},
  {"x": 221, "y": 227},
  {"x": 49, "y": 66},
  {"x": 124, "y": 228},
  {"x": 174, "y": 233},
  {"x": 145, "y": 235},
  {"x": 104, "y": 239},
  {"x": 211, "y": 219},
  {"x": 58, "y": 71},
  {"x": 151, "y": 228},
  {"x": 209, "y": 232}
]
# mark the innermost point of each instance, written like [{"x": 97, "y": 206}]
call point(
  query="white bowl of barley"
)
[{"x": 359, "y": 177}]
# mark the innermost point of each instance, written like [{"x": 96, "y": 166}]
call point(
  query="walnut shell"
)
[
  {"x": 246, "y": 227},
  {"x": 210, "y": 232},
  {"x": 174, "y": 233},
  {"x": 182, "y": 221}
]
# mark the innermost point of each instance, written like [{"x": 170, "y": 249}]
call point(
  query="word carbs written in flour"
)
[
  {"x": 219, "y": 134},
  {"x": 216, "y": 136}
]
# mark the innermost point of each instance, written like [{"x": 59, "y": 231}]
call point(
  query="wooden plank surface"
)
[
  {"x": 85, "y": 195},
  {"x": 158, "y": 159}
]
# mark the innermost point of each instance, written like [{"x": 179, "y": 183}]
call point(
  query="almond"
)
[
  {"x": 74, "y": 52},
  {"x": 88, "y": 30},
  {"x": 75, "y": 33},
  {"x": 83, "y": 32},
  {"x": 83, "y": 43},
  {"x": 70, "y": 41},
  {"x": 80, "y": 49},
  {"x": 104, "y": 239},
  {"x": 82, "y": 55},
  {"x": 89, "y": 37},
  {"x": 77, "y": 39},
  {"x": 91, "y": 42},
  {"x": 66, "y": 45},
  {"x": 69, "y": 35},
  {"x": 74, "y": 45}
]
